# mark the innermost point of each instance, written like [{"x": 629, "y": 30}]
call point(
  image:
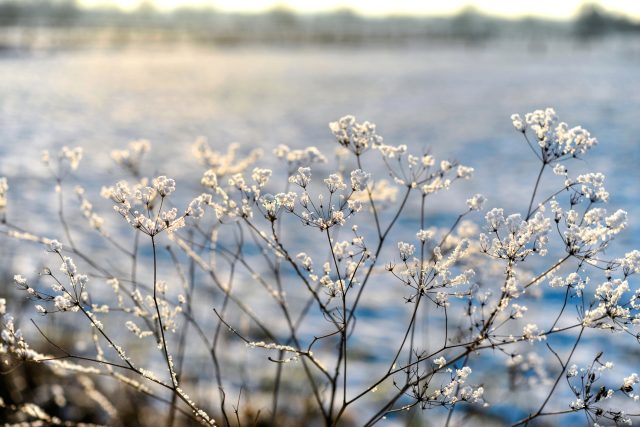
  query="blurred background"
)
[
  {"x": 28, "y": 24},
  {"x": 437, "y": 75},
  {"x": 442, "y": 75},
  {"x": 72, "y": 23}
]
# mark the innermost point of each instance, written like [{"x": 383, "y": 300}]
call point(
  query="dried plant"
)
[{"x": 319, "y": 293}]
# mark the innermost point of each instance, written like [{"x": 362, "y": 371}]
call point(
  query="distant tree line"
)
[{"x": 280, "y": 23}]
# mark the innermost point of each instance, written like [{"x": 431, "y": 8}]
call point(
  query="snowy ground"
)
[{"x": 456, "y": 100}]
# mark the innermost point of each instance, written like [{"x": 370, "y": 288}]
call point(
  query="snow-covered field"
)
[{"x": 455, "y": 100}]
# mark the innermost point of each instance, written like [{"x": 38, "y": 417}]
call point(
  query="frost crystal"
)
[
  {"x": 476, "y": 202},
  {"x": 4, "y": 187},
  {"x": 359, "y": 179},
  {"x": 555, "y": 138},
  {"x": 164, "y": 186}
]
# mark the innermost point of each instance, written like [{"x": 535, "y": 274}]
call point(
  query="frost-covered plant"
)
[{"x": 307, "y": 268}]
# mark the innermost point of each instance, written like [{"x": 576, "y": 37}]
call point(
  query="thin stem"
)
[
  {"x": 535, "y": 190},
  {"x": 555, "y": 385},
  {"x": 174, "y": 380}
]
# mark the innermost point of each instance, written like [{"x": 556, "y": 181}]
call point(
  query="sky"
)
[{"x": 508, "y": 8}]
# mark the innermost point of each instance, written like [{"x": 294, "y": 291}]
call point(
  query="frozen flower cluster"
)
[
  {"x": 406, "y": 250},
  {"x": 611, "y": 306},
  {"x": 137, "y": 205},
  {"x": 96, "y": 221},
  {"x": 514, "y": 238},
  {"x": 299, "y": 157},
  {"x": 631, "y": 262},
  {"x": 532, "y": 333},
  {"x": 72, "y": 156},
  {"x": 357, "y": 137},
  {"x": 12, "y": 341},
  {"x": 456, "y": 390},
  {"x": 593, "y": 397},
  {"x": 476, "y": 202},
  {"x": 325, "y": 211},
  {"x": 226, "y": 164},
  {"x": 555, "y": 139},
  {"x": 4, "y": 187}
]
